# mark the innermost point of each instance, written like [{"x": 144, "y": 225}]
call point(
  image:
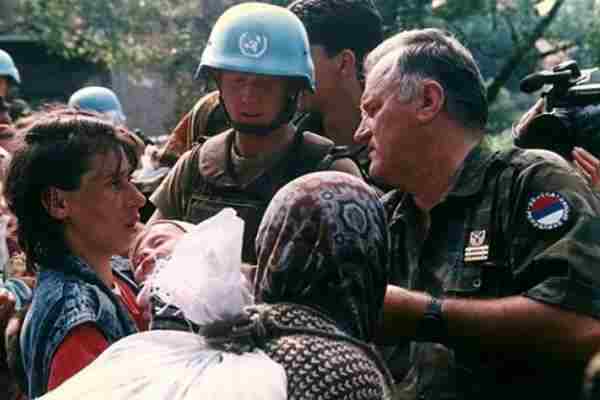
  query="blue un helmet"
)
[
  {"x": 8, "y": 68},
  {"x": 262, "y": 39},
  {"x": 99, "y": 99}
]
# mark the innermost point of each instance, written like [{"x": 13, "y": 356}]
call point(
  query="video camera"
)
[{"x": 572, "y": 112}]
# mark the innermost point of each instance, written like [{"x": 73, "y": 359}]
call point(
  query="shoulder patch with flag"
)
[{"x": 548, "y": 210}]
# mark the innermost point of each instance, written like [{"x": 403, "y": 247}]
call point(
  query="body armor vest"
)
[
  {"x": 216, "y": 187},
  {"x": 207, "y": 119}
]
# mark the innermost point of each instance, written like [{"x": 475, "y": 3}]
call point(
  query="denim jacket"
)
[{"x": 64, "y": 299}]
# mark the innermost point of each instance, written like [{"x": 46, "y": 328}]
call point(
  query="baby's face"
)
[{"x": 158, "y": 242}]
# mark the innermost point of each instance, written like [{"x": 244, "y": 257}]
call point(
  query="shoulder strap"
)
[
  {"x": 311, "y": 153},
  {"x": 205, "y": 120},
  {"x": 348, "y": 152},
  {"x": 197, "y": 181}
]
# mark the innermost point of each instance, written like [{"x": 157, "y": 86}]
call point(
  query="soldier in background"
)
[
  {"x": 10, "y": 79},
  {"x": 9, "y": 74},
  {"x": 99, "y": 99},
  {"x": 11, "y": 108},
  {"x": 341, "y": 33}
]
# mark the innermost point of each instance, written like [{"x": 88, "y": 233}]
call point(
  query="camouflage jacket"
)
[{"x": 514, "y": 224}]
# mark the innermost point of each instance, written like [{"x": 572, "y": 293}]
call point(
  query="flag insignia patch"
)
[{"x": 547, "y": 211}]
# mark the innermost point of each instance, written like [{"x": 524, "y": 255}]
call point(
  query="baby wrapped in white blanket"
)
[{"x": 203, "y": 279}]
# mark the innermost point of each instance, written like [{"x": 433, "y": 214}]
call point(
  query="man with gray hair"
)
[{"x": 497, "y": 249}]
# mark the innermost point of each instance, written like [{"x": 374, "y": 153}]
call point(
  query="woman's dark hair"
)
[{"x": 56, "y": 151}]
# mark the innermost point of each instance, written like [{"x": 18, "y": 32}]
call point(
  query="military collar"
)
[
  {"x": 216, "y": 160},
  {"x": 472, "y": 173},
  {"x": 470, "y": 180}
]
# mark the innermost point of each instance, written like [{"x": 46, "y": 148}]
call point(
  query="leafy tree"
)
[
  {"x": 169, "y": 35},
  {"x": 159, "y": 35}
]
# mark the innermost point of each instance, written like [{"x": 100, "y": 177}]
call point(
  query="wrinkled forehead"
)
[{"x": 380, "y": 72}]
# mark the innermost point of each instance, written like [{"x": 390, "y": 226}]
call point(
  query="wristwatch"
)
[{"x": 432, "y": 327}]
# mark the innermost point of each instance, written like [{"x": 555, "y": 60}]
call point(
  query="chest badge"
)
[
  {"x": 547, "y": 211},
  {"x": 477, "y": 250}
]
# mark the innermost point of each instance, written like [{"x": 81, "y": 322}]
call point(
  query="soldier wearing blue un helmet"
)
[
  {"x": 10, "y": 79},
  {"x": 9, "y": 74},
  {"x": 272, "y": 43},
  {"x": 259, "y": 57},
  {"x": 99, "y": 99}
]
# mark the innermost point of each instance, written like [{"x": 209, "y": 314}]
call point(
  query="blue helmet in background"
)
[
  {"x": 260, "y": 38},
  {"x": 8, "y": 68},
  {"x": 99, "y": 99}
]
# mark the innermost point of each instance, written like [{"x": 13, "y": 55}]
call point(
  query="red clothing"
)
[
  {"x": 80, "y": 347},
  {"x": 85, "y": 343},
  {"x": 128, "y": 297}
]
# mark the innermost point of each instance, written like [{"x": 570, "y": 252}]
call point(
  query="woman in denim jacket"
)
[{"x": 69, "y": 186}]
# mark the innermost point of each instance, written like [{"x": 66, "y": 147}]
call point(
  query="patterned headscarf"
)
[{"x": 323, "y": 242}]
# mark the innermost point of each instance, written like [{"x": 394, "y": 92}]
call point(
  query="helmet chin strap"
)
[{"x": 284, "y": 116}]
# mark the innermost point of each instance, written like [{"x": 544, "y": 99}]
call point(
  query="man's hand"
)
[{"x": 588, "y": 165}]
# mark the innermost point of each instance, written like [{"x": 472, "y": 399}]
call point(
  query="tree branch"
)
[{"x": 525, "y": 46}]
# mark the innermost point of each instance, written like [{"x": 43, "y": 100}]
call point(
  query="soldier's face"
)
[
  {"x": 3, "y": 86},
  {"x": 327, "y": 79},
  {"x": 253, "y": 99}
]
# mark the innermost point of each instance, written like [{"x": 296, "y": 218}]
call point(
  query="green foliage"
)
[
  {"x": 94, "y": 30},
  {"x": 159, "y": 35},
  {"x": 169, "y": 35},
  {"x": 507, "y": 108}
]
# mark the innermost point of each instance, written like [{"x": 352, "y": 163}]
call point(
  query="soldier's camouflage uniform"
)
[
  {"x": 515, "y": 223},
  {"x": 212, "y": 176},
  {"x": 205, "y": 119}
]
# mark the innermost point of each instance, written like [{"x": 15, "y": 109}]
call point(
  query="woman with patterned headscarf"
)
[{"x": 323, "y": 265}]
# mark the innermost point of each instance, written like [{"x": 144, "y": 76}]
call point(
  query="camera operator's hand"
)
[
  {"x": 526, "y": 119},
  {"x": 588, "y": 165}
]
